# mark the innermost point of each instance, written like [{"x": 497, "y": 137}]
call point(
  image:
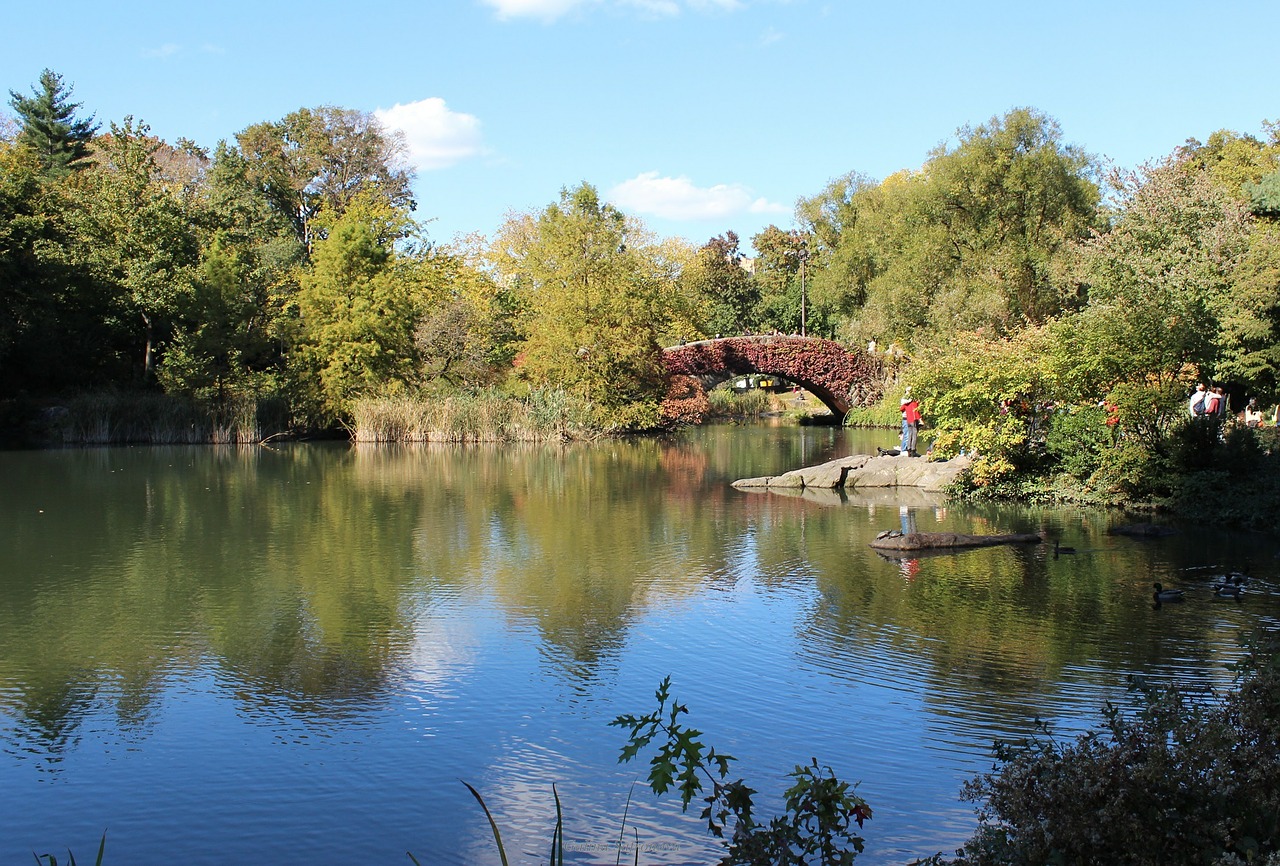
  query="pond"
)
[{"x": 296, "y": 654}]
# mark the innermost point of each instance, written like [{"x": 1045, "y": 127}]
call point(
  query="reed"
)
[
  {"x": 127, "y": 417},
  {"x": 727, "y": 403},
  {"x": 50, "y": 860},
  {"x": 472, "y": 416}
]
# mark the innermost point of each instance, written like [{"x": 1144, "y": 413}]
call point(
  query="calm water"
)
[{"x": 294, "y": 654}]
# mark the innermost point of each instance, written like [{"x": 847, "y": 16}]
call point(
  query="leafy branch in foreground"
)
[{"x": 817, "y": 826}]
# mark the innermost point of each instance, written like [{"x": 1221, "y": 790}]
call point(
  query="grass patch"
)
[
  {"x": 152, "y": 418},
  {"x": 473, "y": 416}
]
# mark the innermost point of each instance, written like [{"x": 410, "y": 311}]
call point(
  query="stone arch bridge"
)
[{"x": 841, "y": 378}]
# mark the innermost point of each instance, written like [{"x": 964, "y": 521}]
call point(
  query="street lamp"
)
[{"x": 802, "y": 253}]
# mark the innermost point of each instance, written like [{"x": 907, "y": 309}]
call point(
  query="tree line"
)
[{"x": 287, "y": 264}]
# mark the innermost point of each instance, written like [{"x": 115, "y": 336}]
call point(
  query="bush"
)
[
  {"x": 1078, "y": 439},
  {"x": 1190, "y": 778}
]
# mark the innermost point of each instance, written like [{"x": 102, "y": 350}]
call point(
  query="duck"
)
[
  {"x": 1232, "y": 587},
  {"x": 1162, "y": 594},
  {"x": 1058, "y": 548}
]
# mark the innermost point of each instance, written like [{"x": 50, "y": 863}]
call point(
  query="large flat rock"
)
[{"x": 860, "y": 471}]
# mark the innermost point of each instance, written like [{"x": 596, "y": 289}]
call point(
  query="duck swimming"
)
[
  {"x": 1232, "y": 587},
  {"x": 1058, "y": 548},
  {"x": 1162, "y": 594}
]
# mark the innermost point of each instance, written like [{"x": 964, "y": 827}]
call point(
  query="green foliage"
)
[
  {"x": 975, "y": 239},
  {"x": 728, "y": 403},
  {"x": 1079, "y": 438},
  {"x": 1264, "y": 196},
  {"x": 1160, "y": 281},
  {"x": 817, "y": 826},
  {"x": 989, "y": 396},
  {"x": 725, "y": 292},
  {"x": 137, "y": 235},
  {"x": 1187, "y": 779},
  {"x": 50, "y": 128},
  {"x": 356, "y": 307},
  {"x": 323, "y": 159},
  {"x": 595, "y": 297},
  {"x": 782, "y": 275}
]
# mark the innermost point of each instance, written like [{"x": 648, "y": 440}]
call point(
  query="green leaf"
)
[{"x": 493, "y": 825}]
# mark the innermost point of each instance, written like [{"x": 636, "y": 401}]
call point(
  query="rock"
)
[
  {"x": 860, "y": 471},
  {"x": 895, "y": 540}
]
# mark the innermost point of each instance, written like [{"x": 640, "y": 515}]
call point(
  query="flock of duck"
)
[{"x": 1229, "y": 585}]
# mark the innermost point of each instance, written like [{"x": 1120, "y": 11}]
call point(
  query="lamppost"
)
[
  {"x": 801, "y": 252},
  {"x": 804, "y": 258}
]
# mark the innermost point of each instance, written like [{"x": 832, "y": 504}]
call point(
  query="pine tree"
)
[{"x": 50, "y": 127}]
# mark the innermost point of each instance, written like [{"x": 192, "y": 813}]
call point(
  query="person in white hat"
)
[{"x": 910, "y": 424}]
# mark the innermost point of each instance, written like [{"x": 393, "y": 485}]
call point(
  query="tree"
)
[
  {"x": 595, "y": 296},
  {"x": 222, "y": 344},
  {"x": 722, "y": 288},
  {"x": 138, "y": 233},
  {"x": 356, "y": 309},
  {"x": 322, "y": 158},
  {"x": 1160, "y": 282},
  {"x": 781, "y": 275},
  {"x": 50, "y": 126},
  {"x": 466, "y": 335},
  {"x": 52, "y": 330},
  {"x": 976, "y": 239},
  {"x": 845, "y": 227}
]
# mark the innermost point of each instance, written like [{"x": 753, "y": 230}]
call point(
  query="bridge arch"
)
[{"x": 841, "y": 378}]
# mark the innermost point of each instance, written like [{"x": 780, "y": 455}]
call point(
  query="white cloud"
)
[
  {"x": 437, "y": 137},
  {"x": 164, "y": 51},
  {"x": 549, "y": 10},
  {"x": 677, "y": 198}
]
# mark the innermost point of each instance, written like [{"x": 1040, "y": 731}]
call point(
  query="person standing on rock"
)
[{"x": 910, "y": 424}]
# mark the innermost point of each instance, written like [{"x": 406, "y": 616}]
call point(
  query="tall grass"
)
[
  {"x": 728, "y": 403},
  {"x": 473, "y": 416},
  {"x": 124, "y": 417}
]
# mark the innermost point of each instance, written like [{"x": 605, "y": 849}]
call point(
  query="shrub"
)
[
  {"x": 1078, "y": 439},
  {"x": 1189, "y": 778}
]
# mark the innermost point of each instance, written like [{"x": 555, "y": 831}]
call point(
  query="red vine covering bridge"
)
[{"x": 838, "y": 376}]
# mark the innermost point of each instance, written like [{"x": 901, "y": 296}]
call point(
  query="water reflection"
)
[{"x": 500, "y": 604}]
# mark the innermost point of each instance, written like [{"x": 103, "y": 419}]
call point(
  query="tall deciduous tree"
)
[
  {"x": 356, "y": 307},
  {"x": 139, "y": 233},
  {"x": 50, "y": 126},
  {"x": 323, "y": 158},
  {"x": 596, "y": 296},
  {"x": 722, "y": 288},
  {"x": 1161, "y": 281},
  {"x": 976, "y": 238}
]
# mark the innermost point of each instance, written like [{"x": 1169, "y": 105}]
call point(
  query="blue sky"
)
[{"x": 697, "y": 116}]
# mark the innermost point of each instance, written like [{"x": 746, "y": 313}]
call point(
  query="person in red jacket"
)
[{"x": 910, "y": 424}]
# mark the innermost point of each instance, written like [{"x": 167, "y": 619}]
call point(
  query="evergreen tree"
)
[{"x": 50, "y": 126}]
